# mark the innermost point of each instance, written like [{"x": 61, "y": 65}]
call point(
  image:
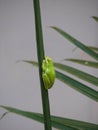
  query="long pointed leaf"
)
[
  {"x": 57, "y": 122},
  {"x": 84, "y": 62},
  {"x": 84, "y": 89},
  {"x": 91, "y": 93},
  {"x": 76, "y": 123},
  {"x": 80, "y": 74},
  {"x": 37, "y": 117},
  {"x": 77, "y": 43}
]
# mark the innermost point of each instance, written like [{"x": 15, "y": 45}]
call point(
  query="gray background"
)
[{"x": 19, "y": 82}]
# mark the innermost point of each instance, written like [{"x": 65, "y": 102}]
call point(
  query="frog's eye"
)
[{"x": 48, "y": 72}]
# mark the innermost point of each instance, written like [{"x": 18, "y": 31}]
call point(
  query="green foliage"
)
[
  {"x": 76, "y": 42},
  {"x": 54, "y": 121},
  {"x": 78, "y": 86},
  {"x": 78, "y": 73},
  {"x": 40, "y": 54},
  {"x": 57, "y": 122},
  {"x": 93, "y": 48},
  {"x": 85, "y": 62}
]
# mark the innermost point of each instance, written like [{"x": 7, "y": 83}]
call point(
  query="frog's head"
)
[{"x": 48, "y": 60}]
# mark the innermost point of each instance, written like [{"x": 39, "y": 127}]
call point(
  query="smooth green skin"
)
[{"x": 48, "y": 72}]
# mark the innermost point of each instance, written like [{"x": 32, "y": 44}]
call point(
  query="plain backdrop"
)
[{"x": 19, "y": 82}]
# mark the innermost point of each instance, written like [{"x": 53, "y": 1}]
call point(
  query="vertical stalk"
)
[{"x": 40, "y": 53}]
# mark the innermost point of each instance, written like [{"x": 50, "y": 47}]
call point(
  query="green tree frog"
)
[{"x": 48, "y": 72}]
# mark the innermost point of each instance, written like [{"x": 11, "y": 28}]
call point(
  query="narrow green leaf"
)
[
  {"x": 94, "y": 48},
  {"x": 76, "y": 123},
  {"x": 95, "y": 18},
  {"x": 37, "y": 117},
  {"x": 30, "y": 62},
  {"x": 57, "y": 122},
  {"x": 84, "y": 62},
  {"x": 80, "y": 74},
  {"x": 84, "y": 89},
  {"x": 77, "y": 43},
  {"x": 87, "y": 91}
]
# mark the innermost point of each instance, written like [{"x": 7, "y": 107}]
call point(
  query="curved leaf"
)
[
  {"x": 84, "y": 89},
  {"x": 80, "y": 74},
  {"x": 57, "y": 122},
  {"x": 91, "y": 93},
  {"x": 84, "y": 62},
  {"x": 77, "y": 43}
]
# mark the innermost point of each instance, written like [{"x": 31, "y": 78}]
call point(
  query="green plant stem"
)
[{"x": 40, "y": 53}]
